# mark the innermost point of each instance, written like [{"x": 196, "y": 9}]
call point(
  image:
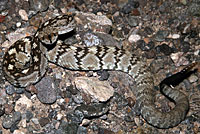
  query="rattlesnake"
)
[{"x": 26, "y": 62}]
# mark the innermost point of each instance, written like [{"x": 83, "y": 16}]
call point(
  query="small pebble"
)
[
  {"x": 135, "y": 12},
  {"x": 148, "y": 30},
  {"x": 68, "y": 128},
  {"x": 144, "y": 46},
  {"x": 23, "y": 123},
  {"x": 134, "y": 38},
  {"x": 11, "y": 120},
  {"x": 164, "y": 48},
  {"x": 2, "y": 111},
  {"x": 161, "y": 35},
  {"x": 131, "y": 102},
  {"x": 8, "y": 108},
  {"x": 185, "y": 46},
  {"x": 43, "y": 121},
  {"x": 184, "y": 2},
  {"x": 23, "y": 103},
  {"x": 23, "y": 14},
  {"x": 18, "y": 24},
  {"x": 19, "y": 90},
  {"x": 197, "y": 52},
  {"x": 59, "y": 116},
  {"x": 10, "y": 89},
  {"x": 104, "y": 75},
  {"x": 29, "y": 115},
  {"x": 77, "y": 99},
  {"x": 77, "y": 116},
  {"x": 129, "y": 6},
  {"x": 35, "y": 120},
  {"x": 193, "y": 78},
  {"x": 175, "y": 36},
  {"x": 133, "y": 21}
]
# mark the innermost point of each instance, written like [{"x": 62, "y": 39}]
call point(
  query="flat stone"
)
[
  {"x": 100, "y": 90},
  {"x": 47, "y": 90},
  {"x": 96, "y": 23}
]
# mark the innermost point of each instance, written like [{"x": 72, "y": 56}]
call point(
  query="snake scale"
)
[{"x": 26, "y": 62}]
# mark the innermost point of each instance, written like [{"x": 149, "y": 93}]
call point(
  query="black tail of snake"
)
[{"x": 26, "y": 61}]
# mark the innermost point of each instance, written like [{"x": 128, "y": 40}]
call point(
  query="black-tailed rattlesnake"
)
[{"x": 26, "y": 61}]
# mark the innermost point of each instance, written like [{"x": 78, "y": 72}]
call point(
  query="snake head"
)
[{"x": 49, "y": 31}]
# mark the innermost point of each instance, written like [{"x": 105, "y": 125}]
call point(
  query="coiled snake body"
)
[{"x": 26, "y": 61}]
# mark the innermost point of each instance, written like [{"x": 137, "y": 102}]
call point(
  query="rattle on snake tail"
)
[{"x": 26, "y": 61}]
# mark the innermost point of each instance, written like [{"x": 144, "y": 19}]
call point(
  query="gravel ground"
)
[{"x": 166, "y": 33}]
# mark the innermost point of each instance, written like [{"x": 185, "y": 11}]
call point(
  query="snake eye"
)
[
  {"x": 27, "y": 65},
  {"x": 53, "y": 38}
]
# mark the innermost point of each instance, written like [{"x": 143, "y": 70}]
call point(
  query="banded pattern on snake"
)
[{"x": 26, "y": 61}]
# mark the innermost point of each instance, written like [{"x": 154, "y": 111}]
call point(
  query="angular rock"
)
[
  {"x": 179, "y": 59},
  {"x": 100, "y": 90},
  {"x": 96, "y": 23}
]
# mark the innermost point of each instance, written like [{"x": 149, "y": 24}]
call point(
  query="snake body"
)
[{"x": 26, "y": 61}]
